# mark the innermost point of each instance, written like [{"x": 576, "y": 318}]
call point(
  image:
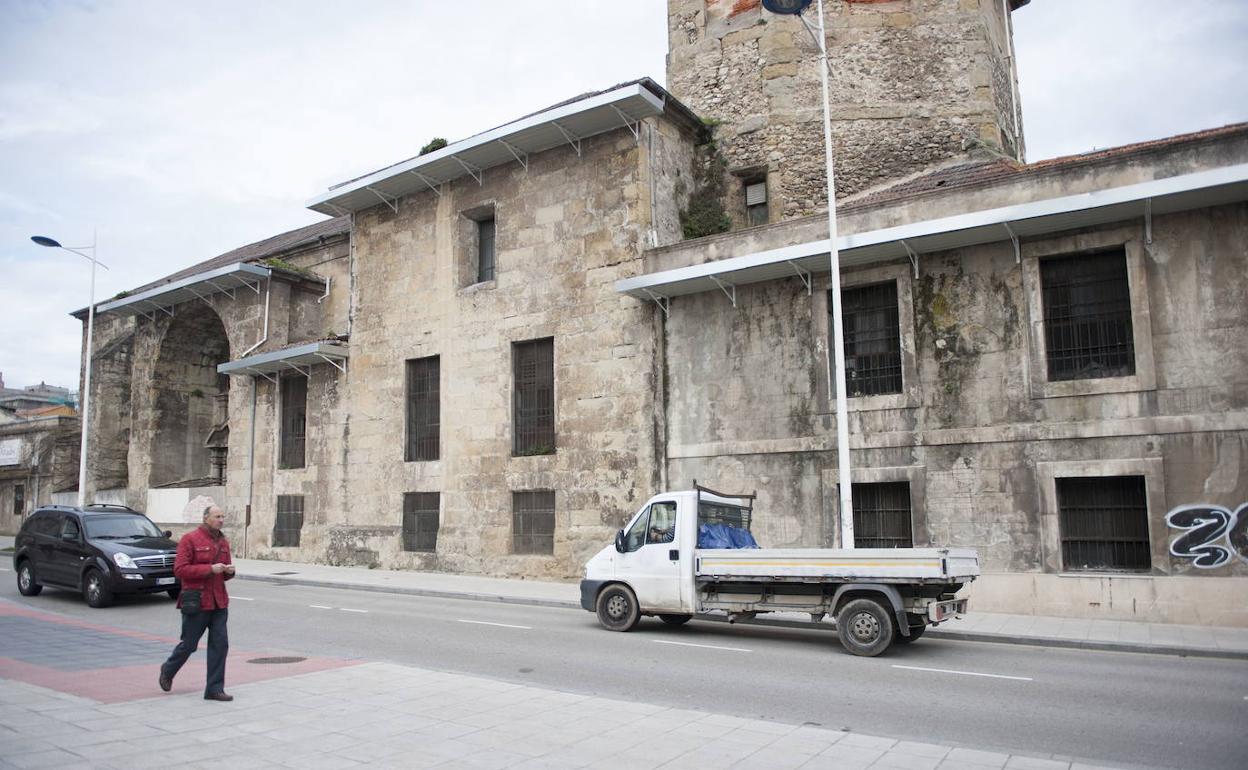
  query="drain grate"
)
[
  {"x": 278, "y": 659},
  {"x": 283, "y": 573}
]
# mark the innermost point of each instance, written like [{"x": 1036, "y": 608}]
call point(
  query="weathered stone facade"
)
[
  {"x": 914, "y": 83},
  {"x": 40, "y": 458}
]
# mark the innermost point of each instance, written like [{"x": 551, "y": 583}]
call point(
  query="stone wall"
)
[{"x": 914, "y": 83}]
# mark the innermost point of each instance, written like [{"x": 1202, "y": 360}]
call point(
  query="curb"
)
[{"x": 957, "y": 636}]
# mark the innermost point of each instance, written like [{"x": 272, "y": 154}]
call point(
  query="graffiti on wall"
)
[{"x": 1212, "y": 535}]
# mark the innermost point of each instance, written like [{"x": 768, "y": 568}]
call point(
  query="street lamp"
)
[
  {"x": 86, "y": 386},
  {"x": 795, "y": 8}
]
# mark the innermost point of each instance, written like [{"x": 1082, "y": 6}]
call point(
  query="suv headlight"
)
[{"x": 124, "y": 561}]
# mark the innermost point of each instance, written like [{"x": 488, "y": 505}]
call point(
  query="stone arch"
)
[{"x": 191, "y": 399}]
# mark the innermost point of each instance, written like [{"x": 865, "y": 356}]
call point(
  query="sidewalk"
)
[{"x": 1115, "y": 635}]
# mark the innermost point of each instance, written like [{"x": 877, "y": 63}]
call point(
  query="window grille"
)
[
  {"x": 423, "y": 408},
  {"x": 289, "y": 521},
  {"x": 533, "y": 521},
  {"x": 1104, "y": 523},
  {"x": 534, "y": 394},
  {"x": 420, "y": 521},
  {"x": 1087, "y": 316},
  {"x": 19, "y": 499},
  {"x": 872, "y": 339},
  {"x": 485, "y": 250},
  {"x": 294, "y": 421},
  {"x": 882, "y": 515}
]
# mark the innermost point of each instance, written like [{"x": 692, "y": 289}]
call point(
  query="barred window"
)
[
  {"x": 1104, "y": 523},
  {"x": 1087, "y": 316},
  {"x": 289, "y": 521},
  {"x": 533, "y": 521},
  {"x": 485, "y": 250},
  {"x": 872, "y": 339},
  {"x": 420, "y": 521},
  {"x": 534, "y": 397},
  {"x": 294, "y": 421},
  {"x": 423, "y": 408},
  {"x": 882, "y": 515},
  {"x": 19, "y": 499}
]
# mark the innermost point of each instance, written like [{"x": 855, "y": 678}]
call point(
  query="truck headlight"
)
[{"x": 124, "y": 561}]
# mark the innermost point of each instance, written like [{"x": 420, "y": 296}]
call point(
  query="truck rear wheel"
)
[
  {"x": 865, "y": 627},
  {"x": 617, "y": 608}
]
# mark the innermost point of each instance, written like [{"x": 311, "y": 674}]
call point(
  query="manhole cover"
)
[
  {"x": 280, "y": 659},
  {"x": 283, "y": 573}
]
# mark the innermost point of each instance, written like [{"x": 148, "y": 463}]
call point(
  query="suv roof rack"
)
[{"x": 109, "y": 507}]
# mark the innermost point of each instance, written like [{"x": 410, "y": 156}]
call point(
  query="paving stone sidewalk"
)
[{"x": 387, "y": 715}]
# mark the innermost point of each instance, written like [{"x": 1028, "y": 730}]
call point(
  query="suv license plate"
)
[{"x": 165, "y": 581}]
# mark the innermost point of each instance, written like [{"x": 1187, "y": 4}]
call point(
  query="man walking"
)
[{"x": 203, "y": 565}]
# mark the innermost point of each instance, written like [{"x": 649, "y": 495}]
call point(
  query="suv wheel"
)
[
  {"x": 26, "y": 584},
  {"x": 95, "y": 590}
]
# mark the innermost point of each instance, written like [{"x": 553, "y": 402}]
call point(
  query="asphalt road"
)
[{"x": 1152, "y": 710}]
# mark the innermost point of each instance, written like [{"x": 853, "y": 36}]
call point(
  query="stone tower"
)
[{"x": 914, "y": 84}]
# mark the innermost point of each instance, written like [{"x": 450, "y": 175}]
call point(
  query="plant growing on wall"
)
[
  {"x": 435, "y": 144},
  {"x": 704, "y": 214}
]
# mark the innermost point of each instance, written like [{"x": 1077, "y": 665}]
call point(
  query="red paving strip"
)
[{"x": 125, "y": 683}]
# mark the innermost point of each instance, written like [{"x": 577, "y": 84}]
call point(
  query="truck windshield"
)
[{"x": 120, "y": 527}]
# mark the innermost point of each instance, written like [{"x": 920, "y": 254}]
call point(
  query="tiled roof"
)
[{"x": 982, "y": 173}]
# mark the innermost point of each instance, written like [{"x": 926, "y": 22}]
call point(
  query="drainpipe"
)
[
  {"x": 251, "y": 464},
  {"x": 268, "y": 286}
]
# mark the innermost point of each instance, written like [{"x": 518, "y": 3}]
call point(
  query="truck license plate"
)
[{"x": 165, "y": 581}]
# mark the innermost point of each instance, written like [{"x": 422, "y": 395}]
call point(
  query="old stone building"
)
[
  {"x": 38, "y": 459},
  {"x": 495, "y": 352}
]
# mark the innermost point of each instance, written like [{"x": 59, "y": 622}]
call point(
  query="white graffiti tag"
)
[{"x": 1204, "y": 524}]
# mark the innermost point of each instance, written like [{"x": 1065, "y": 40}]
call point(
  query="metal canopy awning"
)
[
  {"x": 161, "y": 299},
  {"x": 513, "y": 143},
  {"x": 300, "y": 358},
  {"x": 1137, "y": 201}
]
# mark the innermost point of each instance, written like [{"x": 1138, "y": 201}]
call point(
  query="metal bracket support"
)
[
  {"x": 436, "y": 190},
  {"x": 339, "y": 210},
  {"x": 228, "y": 292},
  {"x": 664, "y": 303},
  {"x": 305, "y": 372},
  {"x": 472, "y": 170},
  {"x": 633, "y": 125},
  {"x": 803, "y": 274},
  {"x": 1148, "y": 221},
  {"x": 257, "y": 373},
  {"x": 393, "y": 203},
  {"x": 201, "y": 297},
  {"x": 332, "y": 362},
  {"x": 255, "y": 288},
  {"x": 729, "y": 290},
  {"x": 520, "y": 155},
  {"x": 572, "y": 138},
  {"x": 162, "y": 308},
  {"x": 1018, "y": 252},
  {"x": 914, "y": 258}
]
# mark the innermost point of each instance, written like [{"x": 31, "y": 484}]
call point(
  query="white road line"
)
[
  {"x": 319, "y": 607},
  {"x": 2, "y": 569},
  {"x": 501, "y": 625},
  {"x": 348, "y": 609},
  {"x": 243, "y": 598},
  {"x": 705, "y": 646},
  {"x": 965, "y": 673}
]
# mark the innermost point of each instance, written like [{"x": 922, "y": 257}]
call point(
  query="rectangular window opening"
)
[
  {"x": 420, "y": 521},
  {"x": 534, "y": 397},
  {"x": 19, "y": 499},
  {"x": 294, "y": 418},
  {"x": 1087, "y": 316},
  {"x": 756, "y": 201},
  {"x": 485, "y": 250},
  {"x": 1104, "y": 523},
  {"x": 882, "y": 515},
  {"x": 872, "y": 329},
  {"x": 288, "y": 523},
  {"x": 533, "y": 521},
  {"x": 423, "y": 409}
]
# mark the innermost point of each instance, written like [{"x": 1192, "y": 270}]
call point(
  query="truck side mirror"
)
[{"x": 619, "y": 541}]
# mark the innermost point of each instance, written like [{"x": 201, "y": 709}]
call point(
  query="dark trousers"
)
[{"x": 193, "y": 627}]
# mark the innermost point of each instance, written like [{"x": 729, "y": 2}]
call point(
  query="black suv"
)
[{"x": 101, "y": 550}]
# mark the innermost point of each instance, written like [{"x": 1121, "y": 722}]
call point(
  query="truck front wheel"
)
[
  {"x": 864, "y": 627},
  {"x": 617, "y": 608}
]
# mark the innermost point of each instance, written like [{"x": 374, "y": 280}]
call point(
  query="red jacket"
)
[{"x": 198, "y": 550}]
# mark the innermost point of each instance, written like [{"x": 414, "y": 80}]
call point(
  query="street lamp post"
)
[
  {"x": 86, "y": 385},
  {"x": 795, "y": 8}
]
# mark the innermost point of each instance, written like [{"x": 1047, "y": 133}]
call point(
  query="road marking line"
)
[
  {"x": 2, "y": 569},
  {"x": 319, "y": 607},
  {"x": 706, "y": 646},
  {"x": 965, "y": 673},
  {"x": 243, "y": 598},
  {"x": 348, "y": 609},
  {"x": 502, "y": 625}
]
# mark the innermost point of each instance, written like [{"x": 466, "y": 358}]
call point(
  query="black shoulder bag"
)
[{"x": 193, "y": 598}]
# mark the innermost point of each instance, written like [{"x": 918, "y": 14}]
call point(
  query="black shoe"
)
[
  {"x": 218, "y": 696},
  {"x": 166, "y": 682}
]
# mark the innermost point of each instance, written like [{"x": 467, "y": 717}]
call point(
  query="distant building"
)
[{"x": 495, "y": 352}]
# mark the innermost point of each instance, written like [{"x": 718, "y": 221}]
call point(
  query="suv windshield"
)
[{"x": 120, "y": 527}]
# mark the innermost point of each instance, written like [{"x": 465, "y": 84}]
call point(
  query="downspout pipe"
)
[
  {"x": 268, "y": 289},
  {"x": 251, "y": 464}
]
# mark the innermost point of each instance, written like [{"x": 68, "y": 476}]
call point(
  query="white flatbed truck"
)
[{"x": 657, "y": 567}]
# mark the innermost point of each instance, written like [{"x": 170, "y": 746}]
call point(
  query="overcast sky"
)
[{"x": 179, "y": 131}]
